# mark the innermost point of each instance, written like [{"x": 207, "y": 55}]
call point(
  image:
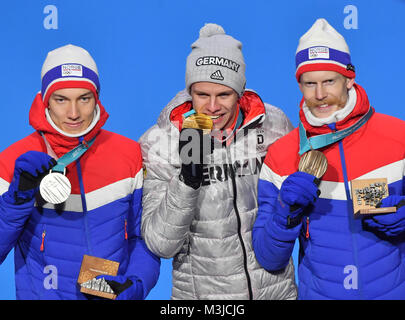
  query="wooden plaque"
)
[
  {"x": 366, "y": 193},
  {"x": 92, "y": 267}
]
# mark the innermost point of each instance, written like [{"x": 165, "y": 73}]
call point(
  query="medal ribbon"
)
[
  {"x": 324, "y": 140},
  {"x": 239, "y": 121},
  {"x": 72, "y": 155}
]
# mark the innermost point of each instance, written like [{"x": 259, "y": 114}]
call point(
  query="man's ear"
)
[{"x": 349, "y": 83}]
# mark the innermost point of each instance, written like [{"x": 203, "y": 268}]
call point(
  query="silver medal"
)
[{"x": 55, "y": 188}]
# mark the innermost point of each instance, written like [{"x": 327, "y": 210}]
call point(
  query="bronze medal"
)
[{"x": 313, "y": 162}]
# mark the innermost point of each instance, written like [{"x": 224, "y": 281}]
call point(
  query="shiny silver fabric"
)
[{"x": 209, "y": 231}]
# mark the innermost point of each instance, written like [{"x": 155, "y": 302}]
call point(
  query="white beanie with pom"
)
[
  {"x": 322, "y": 48},
  {"x": 68, "y": 67},
  {"x": 216, "y": 57}
]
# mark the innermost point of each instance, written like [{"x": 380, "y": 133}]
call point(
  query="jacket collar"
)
[
  {"x": 250, "y": 104},
  {"x": 60, "y": 143},
  {"x": 360, "y": 109}
]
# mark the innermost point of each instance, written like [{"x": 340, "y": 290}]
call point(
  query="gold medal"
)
[
  {"x": 198, "y": 121},
  {"x": 313, "y": 162}
]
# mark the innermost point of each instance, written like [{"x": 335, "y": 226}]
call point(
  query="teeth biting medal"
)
[{"x": 197, "y": 121}]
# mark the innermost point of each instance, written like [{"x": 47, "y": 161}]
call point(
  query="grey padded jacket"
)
[{"x": 208, "y": 231}]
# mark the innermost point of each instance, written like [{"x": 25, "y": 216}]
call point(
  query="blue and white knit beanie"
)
[
  {"x": 216, "y": 57},
  {"x": 69, "y": 67},
  {"x": 322, "y": 48}
]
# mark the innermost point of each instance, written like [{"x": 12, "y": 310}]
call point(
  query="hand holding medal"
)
[
  {"x": 194, "y": 144},
  {"x": 29, "y": 169},
  {"x": 312, "y": 161},
  {"x": 193, "y": 120},
  {"x": 315, "y": 163}
]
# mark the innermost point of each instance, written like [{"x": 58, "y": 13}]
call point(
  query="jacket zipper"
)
[
  {"x": 125, "y": 230},
  {"x": 84, "y": 206},
  {"x": 245, "y": 266},
  {"x": 351, "y": 218},
  {"x": 352, "y": 223}
]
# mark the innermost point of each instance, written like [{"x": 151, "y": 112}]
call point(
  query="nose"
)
[
  {"x": 320, "y": 92},
  {"x": 213, "y": 106},
  {"x": 73, "y": 112}
]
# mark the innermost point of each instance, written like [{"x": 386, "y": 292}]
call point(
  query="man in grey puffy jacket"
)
[{"x": 201, "y": 213}]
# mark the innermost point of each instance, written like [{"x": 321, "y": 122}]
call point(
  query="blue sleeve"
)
[
  {"x": 143, "y": 263},
  {"x": 12, "y": 221},
  {"x": 272, "y": 243}
]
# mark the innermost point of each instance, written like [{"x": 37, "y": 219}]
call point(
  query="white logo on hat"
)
[
  {"x": 318, "y": 53},
  {"x": 69, "y": 70},
  {"x": 218, "y": 61},
  {"x": 217, "y": 75}
]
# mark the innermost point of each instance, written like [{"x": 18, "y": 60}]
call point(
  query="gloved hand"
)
[
  {"x": 126, "y": 288},
  {"x": 391, "y": 224},
  {"x": 29, "y": 170},
  {"x": 194, "y": 146},
  {"x": 297, "y": 192}
]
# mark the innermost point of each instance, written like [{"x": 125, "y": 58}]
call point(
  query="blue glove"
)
[
  {"x": 391, "y": 224},
  {"x": 29, "y": 170},
  {"x": 297, "y": 192},
  {"x": 126, "y": 288}
]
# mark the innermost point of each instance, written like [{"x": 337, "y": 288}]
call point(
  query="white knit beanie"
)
[
  {"x": 69, "y": 67},
  {"x": 322, "y": 48},
  {"x": 216, "y": 57}
]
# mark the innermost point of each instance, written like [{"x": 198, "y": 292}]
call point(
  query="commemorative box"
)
[
  {"x": 92, "y": 267},
  {"x": 366, "y": 194}
]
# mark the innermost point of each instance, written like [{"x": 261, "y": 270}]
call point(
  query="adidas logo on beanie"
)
[
  {"x": 69, "y": 67},
  {"x": 217, "y": 75},
  {"x": 322, "y": 48},
  {"x": 216, "y": 57}
]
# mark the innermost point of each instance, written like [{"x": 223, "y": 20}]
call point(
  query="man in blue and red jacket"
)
[
  {"x": 102, "y": 215},
  {"x": 340, "y": 257}
]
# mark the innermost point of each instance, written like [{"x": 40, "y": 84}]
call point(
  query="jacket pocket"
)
[
  {"x": 305, "y": 231},
  {"x": 306, "y": 227},
  {"x": 126, "y": 229},
  {"x": 42, "y": 246},
  {"x": 305, "y": 238}
]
